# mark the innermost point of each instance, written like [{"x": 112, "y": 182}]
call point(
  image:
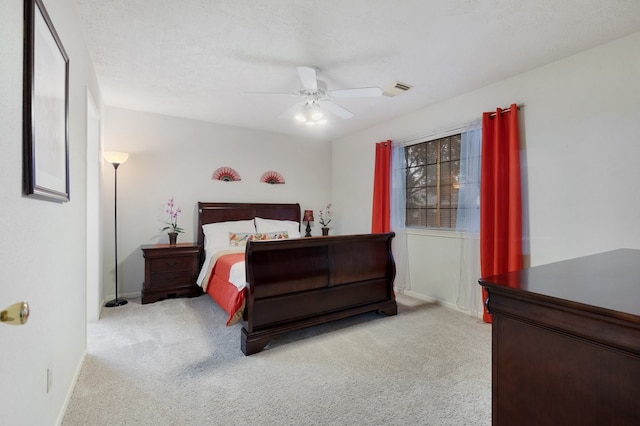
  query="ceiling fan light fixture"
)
[
  {"x": 311, "y": 114},
  {"x": 316, "y": 114},
  {"x": 313, "y": 123}
]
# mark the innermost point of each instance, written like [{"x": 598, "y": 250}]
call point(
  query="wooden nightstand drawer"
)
[
  {"x": 170, "y": 271},
  {"x": 165, "y": 264},
  {"x": 172, "y": 279}
]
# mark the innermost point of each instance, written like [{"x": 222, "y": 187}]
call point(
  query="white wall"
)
[
  {"x": 580, "y": 127},
  {"x": 43, "y": 243},
  {"x": 171, "y": 156}
]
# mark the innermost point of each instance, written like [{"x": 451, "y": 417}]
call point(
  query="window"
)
[{"x": 432, "y": 182}]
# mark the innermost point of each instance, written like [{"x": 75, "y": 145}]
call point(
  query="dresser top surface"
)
[{"x": 606, "y": 281}]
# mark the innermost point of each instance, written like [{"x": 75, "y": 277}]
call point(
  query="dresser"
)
[
  {"x": 566, "y": 342},
  {"x": 170, "y": 271}
]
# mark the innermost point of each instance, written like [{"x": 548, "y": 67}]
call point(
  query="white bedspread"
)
[{"x": 237, "y": 275}]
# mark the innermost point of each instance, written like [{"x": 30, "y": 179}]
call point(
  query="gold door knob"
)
[{"x": 16, "y": 314}]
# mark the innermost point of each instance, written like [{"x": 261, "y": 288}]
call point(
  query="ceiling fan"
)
[{"x": 317, "y": 98}]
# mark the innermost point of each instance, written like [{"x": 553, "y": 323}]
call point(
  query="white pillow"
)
[
  {"x": 271, "y": 225},
  {"x": 217, "y": 234}
]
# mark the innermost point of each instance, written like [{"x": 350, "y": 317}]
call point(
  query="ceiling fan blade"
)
[
  {"x": 359, "y": 92},
  {"x": 336, "y": 109},
  {"x": 309, "y": 78},
  {"x": 271, "y": 93}
]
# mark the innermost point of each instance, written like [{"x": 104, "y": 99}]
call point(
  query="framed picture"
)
[{"x": 45, "y": 107}]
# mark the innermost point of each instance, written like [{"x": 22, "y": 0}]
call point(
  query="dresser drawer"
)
[
  {"x": 177, "y": 263},
  {"x": 172, "y": 279}
]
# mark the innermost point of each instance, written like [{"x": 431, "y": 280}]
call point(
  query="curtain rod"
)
[
  {"x": 448, "y": 131},
  {"x": 493, "y": 114},
  {"x": 475, "y": 124}
]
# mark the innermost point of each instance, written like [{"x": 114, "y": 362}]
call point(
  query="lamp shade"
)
[
  {"x": 308, "y": 216},
  {"x": 115, "y": 157}
]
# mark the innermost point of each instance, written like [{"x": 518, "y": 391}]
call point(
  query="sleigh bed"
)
[{"x": 291, "y": 282}]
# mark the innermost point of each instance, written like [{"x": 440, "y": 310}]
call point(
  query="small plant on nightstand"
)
[
  {"x": 172, "y": 225},
  {"x": 325, "y": 219}
]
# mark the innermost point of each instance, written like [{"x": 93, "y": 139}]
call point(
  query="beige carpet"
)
[{"x": 175, "y": 363}]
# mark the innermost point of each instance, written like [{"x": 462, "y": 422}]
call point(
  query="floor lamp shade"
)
[{"x": 115, "y": 158}]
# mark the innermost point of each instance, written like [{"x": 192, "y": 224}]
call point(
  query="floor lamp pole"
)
[{"x": 116, "y": 301}]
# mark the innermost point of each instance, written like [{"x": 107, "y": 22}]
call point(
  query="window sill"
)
[{"x": 440, "y": 233}]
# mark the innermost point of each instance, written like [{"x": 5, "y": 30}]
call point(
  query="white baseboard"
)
[
  {"x": 127, "y": 296},
  {"x": 67, "y": 399},
  {"x": 438, "y": 301}
]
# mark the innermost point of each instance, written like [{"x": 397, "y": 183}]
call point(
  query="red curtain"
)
[
  {"x": 380, "y": 221},
  {"x": 500, "y": 195}
]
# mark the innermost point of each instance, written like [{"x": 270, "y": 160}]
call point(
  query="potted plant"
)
[
  {"x": 325, "y": 219},
  {"x": 172, "y": 225}
]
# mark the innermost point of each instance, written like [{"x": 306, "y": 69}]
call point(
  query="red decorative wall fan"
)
[
  {"x": 272, "y": 177},
  {"x": 225, "y": 174}
]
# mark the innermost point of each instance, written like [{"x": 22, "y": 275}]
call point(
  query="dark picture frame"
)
[{"x": 45, "y": 107}]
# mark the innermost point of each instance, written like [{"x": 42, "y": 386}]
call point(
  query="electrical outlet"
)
[{"x": 49, "y": 378}]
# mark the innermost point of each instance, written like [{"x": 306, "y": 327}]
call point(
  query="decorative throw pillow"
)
[
  {"x": 278, "y": 235},
  {"x": 241, "y": 238},
  {"x": 216, "y": 235}
]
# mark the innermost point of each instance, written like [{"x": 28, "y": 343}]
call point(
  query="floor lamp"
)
[{"x": 115, "y": 158}]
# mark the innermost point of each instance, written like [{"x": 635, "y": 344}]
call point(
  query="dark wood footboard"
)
[{"x": 308, "y": 281}]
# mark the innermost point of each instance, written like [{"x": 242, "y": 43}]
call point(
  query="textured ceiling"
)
[{"x": 195, "y": 58}]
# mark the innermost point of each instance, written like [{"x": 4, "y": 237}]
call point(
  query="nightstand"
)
[{"x": 170, "y": 271}]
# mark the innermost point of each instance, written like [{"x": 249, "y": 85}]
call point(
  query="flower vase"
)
[
  {"x": 325, "y": 231},
  {"x": 173, "y": 237}
]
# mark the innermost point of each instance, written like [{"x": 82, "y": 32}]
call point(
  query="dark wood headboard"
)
[{"x": 222, "y": 212}]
